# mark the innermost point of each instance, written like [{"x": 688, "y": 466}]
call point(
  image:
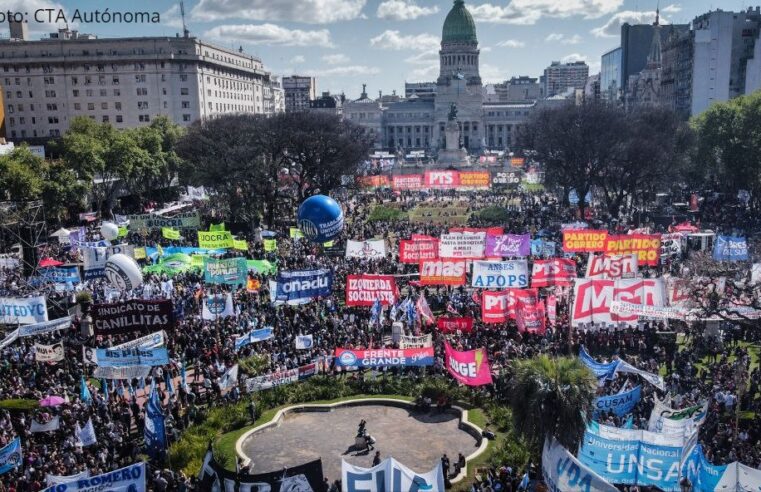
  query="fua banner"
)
[
  {"x": 304, "y": 284},
  {"x": 500, "y": 274},
  {"x": 564, "y": 473},
  {"x": 23, "y": 310},
  {"x": 127, "y": 479},
  {"x": 390, "y": 475}
]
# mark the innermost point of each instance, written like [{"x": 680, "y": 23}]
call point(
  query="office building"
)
[
  {"x": 298, "y": 91},
  {"x": 636, "y": 44},
  {"x": 328, "y": 103},
  {"x": 560, "y": 77},
  {"x": 676, "y": 74},
  {"x": 523, "y": 89},
  {"x": 423, "y": 90},
  {"x": 610, "y": 75}
]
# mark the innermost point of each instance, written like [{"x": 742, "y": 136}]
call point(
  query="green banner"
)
[
  {"x": 170, "y": 233},
  {"x": 215, "y": 239},
  {"x": 270, "y": 245},
  {"x": 296, "y": 233},
  {"x": 217, "y": 227},
  {"x": 122, "y": 231},
  {"x": 262, "y": 267},
  {"x": 240, "y": 244}
]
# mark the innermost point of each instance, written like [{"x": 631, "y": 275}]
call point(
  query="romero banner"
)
[
  {"x": 415, "y": 251},
  {"x": 384, "y": 357},
  {"x": 442, "y": 272},
  {"x": 364, "y": 290},
  {"x": 556, "y": 271},
  {"x": 132, "y": 315},
  {"x": 584, "y": 240},
  {"x": 470, "y": 368}
]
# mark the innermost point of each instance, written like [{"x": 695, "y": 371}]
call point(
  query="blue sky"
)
[{"x": 387, "y": 42}]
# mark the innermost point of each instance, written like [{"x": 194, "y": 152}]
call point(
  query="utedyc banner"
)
[
  {"x": 364, "y": 290},
  {"x": 304, "y": 284},
  {"x": 132, "y": 315},
  {"x": 128, "y": 479},
  {"x": 23, "y": 310},
  {"x": 384, "y": 357}
]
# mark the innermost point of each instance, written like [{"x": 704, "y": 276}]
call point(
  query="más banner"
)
[
  {"x": 470, "y": 368},
  {"x": 442, "y": 179},
  {"x": 280, "y": 378},
  {"x": 647, "y": 247},
  {"x": 506, "y": 245},
  {"x": 442, "y": 272},
  {"x": 616, "y": 266},
  {"x": 364, "y": 290},
  {"x": 187, "y": 220},
  {"x": 497, "y": 307},
  {"x": 453, "y": 325},
  {"x": 304, "y": 284},
  {"x": 411, "y": 251},
  {"x": 23, "y": 310},
  {"x": 584, "y": 240},
  {"x": 132, "y": 315},
  {"x": 462, "y": 245},
  {"x": 407, "y": 182},
  {"x": 367, "y": 250},
  {"x": 230, "y": 271},
  {"x": 593, "y": 298},
  {"x": 556, "y": 271},
  {"x": 384, "y": 357},
  {"x": 500, "y": 274}
]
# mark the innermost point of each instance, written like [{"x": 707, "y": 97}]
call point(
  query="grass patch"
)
[
  {"x": 383, "y": 213},
  {"x": 19, "y": 405},
  {"x": 451, "y": 215}
]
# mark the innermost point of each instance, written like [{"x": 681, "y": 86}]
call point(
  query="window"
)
[
  {"x": 185, "y": 104},
  {"x": 184, "y": 91},
  {"x": 105, "y": 118},
  {"x": 53, "y": 120},
  {"x": 20, "y": 107},
  {"x": 103, "y": 92},
  {"x": 12, "y": 121},
  {"x": 104, "y": 105},
  {"x": 186, "y": 117},
  {"x": 49, "y": 93},
  {"x": 89, "y": 92},
  {"x": 183, "y": 77},
  {"x": 10, "y": 108},
  {"x": 30, "y": 94},
  {"x": 101, "y": 80},
  {"x": 140, "y": 79},
  {"x": 117, "y": 92},
  {"x": 77, "y": 106},
  {"x": 119, "y": 118},
  {"x": 144, "y": 118},
  {"x": 142, "y": 105},
  {"x": 75, "y": 93},
  {"x": 118, "y": 106},
  {"x": 115, "y": 81},
  {"x": 88, "y": 80},
  {"x": 142, "y": 91},
  {"x": 52, "y": 107},
  {"x": 91, "y": 106},
  {"x": 19, "y": 95},
  {"x": 22, "y": 121}
]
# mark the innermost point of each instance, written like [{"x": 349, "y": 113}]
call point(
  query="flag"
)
[
  {"x": 240, "y": 244},
  {"x": 104, "y": 387},
  {"x": 629, "y": 424},
  {"x": 154, "y": 433},
  {"x": 425, "y": 310},
  {"x": 170, "y": 233},
  {"x": 84, "y": 391},
  {"x": 168, "y": 381},
  {"x": 217, "y": 227},
  {"x": 524, "y": 482},
  {"x": 159, "y": 250},
  {"x": 411, "y": 313},
  {"x": 11, "y": 456},
  {"x": 120, "y": 388},
  {"x": 183, "y": 379},
  {"x": 451, "y": 309},
  {"x": 85, "y": 435},
  {"x": 229, "y": 379},
  {"x": 270, "y": 245},
  {"x": 393, "y": 311},
  {"x": 375, "y": 312}
]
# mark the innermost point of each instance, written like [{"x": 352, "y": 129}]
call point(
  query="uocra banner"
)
[
  {"x": 442, "y": 272},
  {"x": 384, "y": 357},
  {"x": 556, "y": 271},
  {"x": 132, "y": 315},
  {"x": 500, "y": 274},
  {"x": 462, "y": 245},
  {"x": 470, "y": 368},
  {"x": 366, "y": 250},
  {"x": 593, "y": 298},
  {"x": 363, "y": 290},
  {"x": 508, "y": 245},
  {"x": 412, "y": 251}
]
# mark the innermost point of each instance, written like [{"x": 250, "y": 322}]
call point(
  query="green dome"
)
[{"x": 459, "y": 26}]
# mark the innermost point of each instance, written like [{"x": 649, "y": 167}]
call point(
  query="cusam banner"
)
[
  {"x": 127, "y": 479},
  {"x": 500, "y": 274},
  {"x": 470, "y": 368},
  {"x": 615, "y": 266},
  {"x": 390, "y": 475},
  {"x": 384, "y": 357},
  {"x": 564, "y": 473},
  {"x": 23, "y": 310},
  {"x": 619, "y": 404}
]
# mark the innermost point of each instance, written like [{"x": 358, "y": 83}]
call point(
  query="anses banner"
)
[
  {"x": 647, "y": 247},
  {"x": 412, "y": 251},
  {"x": 363, "y": 290},
  {"x": 584, "y": 240},
  {"x": 470, "y": 368},
  {"x": 442, "y": 272}
]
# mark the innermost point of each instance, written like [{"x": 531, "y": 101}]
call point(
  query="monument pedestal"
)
[{"x": 453, "y": 155}]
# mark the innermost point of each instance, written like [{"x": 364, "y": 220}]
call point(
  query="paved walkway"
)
[{"x": 416, "y": 440}]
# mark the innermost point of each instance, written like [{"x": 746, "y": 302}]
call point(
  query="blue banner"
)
[
  {"x": 252, "y": 337},
  {"x": 56, "y": 275},
  {"x": 230, "y": 271},
  {"x": 619, "y": 404},
  {"x": 602, "y": 371},
  {"x": 10, "y": 456},
  {"x": 128, "y": 479},
  {"x": 540, "y": 247},
  {"x": 109, "y": 357},
  {"x": 154, "y": 433},
  {"x": 304, "y": 284},
  {"x": 729, "y": 248}
]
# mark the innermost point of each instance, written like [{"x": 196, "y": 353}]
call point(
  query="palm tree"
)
[{"x": 551, "y": 397}]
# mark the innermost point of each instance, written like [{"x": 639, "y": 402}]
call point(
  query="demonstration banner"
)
[
  {"x": 412, "y": 342},
  {"x": 153, "y": 340},
  {"x": 110, "y": 357},
  {"x": 475, "y": 179},
  {"x": 169, "y": 233},
  {"x": 442, "y": 272},
  {"x": 529, "y": 311},
  {"x": 366, "y": 250},
  {"x": 555, "y": 271},
  {"x": 304, "y": 342},
  {"x": 453, "y": 325},
  {"x": 647, "y": 247},
  {"x": 470, "y": 368},
  {"x": 542, "y": 248},
  {"x": 300, "y": 478},
  {"x": 364, "y": 290},
  {"x": 620, "y": 404},
  {"x": 215, "y": 239},
  {"x": 564, "y": 473},
  {"x": 626, "y": 309},
  {"x": 497, "y": 307},
  {"x": 415, "y": 251},
  {"x": 462, "y": 245},
  {"x": 56, "y": 479},
  {"x": 728, "y": 248},
  {"x": 584, "y": 240},
  {"x": 48, "y": 353},
  {"x": 230, "y": 271},
  {"x": 56, "y": 275},
  {"x": 708, "y": 477},
  {"x": 500, "y": 274},
  {"x": 254, "y": 336},
  {"x": 126, "y": 372},
  {"x": 304, "y": 285},
  {"x": 23, "y": 310},
  {"x": 601, "y": 370},
  {"x": 442, "y": 179},
  {"x": 131, "y": 315},
  {"x": 391, "y": 476},
  {"x": 11, "y": 456},
  {"x": 552, "y": 309},
  {"x": 280, "y": 378},
  {"x": 506, "y": 245},
  {"x": 45, "y": 327},
  {"x": 127, "y": 479},
  {"x": 50, "y": 426},
  {"x": 217, "y": 306},
  {"x": 667, "y": 420},
  {"x": 511, "y": 178},
  {"x": 185, "y": 220},
  {"x": 593, "y": 298},
  {"x": 384, "y": 357},
  {"x": 407, "y": 182},
  {"x": 612, "y": 267},
  {"x": 95, "y": 258}
]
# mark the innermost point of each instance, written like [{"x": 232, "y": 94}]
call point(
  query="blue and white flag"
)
[
  {"x": 375, "y": 312},
  {"x": 229, "y": 379},
  {"x": 45, "y": 327},
  {"x": 563, "y": 472},
  {"x": 168, "y": 381},
  {"x": 104, "y": 386},
  {"x": 730, "y": 248},
  {"x": 84, "y": 391},
  {"x": 304, "y": 342},
  {"x": 85, "y": 435},
  {"x": 619, "y": 404},
  {"x": 600, "y": 370},
  {"x": 304, "y": 284},
  {"x": 128, "y": 479},
  {"x": 56, "y": 275},
  {"x": 154, "y": 432},
  {"x": 253, "y": 336},
  {"x": 10, "y": 456}
]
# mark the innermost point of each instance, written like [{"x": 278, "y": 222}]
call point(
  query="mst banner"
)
[
  {"x": 23, "y": 310},
  {"x": 415, "y": 251},
  {"x": 462, "y": 245},
  {"x": 384, "y": 357},
  {"x": 616, "y": 266},
  {"x": 470, "y": 368},
  {"x": 132, "y": 315},
  {"x": 363, "y": 290},
  {"x": 304, "y": 285},
  {"x": 500, "y": 274},
  {"x": 442, "y": 272},
  {"x": 593, "y": 298},
  {"x": 189, "y": 220}
]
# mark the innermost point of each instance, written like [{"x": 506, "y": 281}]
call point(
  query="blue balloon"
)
[{"x": 320, "y": 218}]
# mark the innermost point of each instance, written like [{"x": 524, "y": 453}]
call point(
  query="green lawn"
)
[{"x": 452, "y": 215}]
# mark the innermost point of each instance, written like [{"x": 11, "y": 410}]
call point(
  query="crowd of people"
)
[{"x": 201, "y": 351}]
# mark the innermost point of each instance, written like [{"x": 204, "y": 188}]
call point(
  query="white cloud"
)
[
  {"x": 270, "y": 34},
  {"x": 306, "y": 11},
  {"x": 511, "y": 43},
  {"x": 530, "y": 11},
  {"x": 345, "y": 71},
  {"x": 298, "y": 59},
  {"x": 491, "y": 74},
  {"x": 557, "y": 37},
  {"x": 674, "y": 8},
  {"x": 335, "y": 59},
  {"x": 424, "y": 74},
  {"x": 486, "y": 49},
  {"x": 573, "y": 57},
  {"x": 612, "y": 28},
  {"x": 401, "y": 10},
  {"x": 172, "y": 17},
  {"x": 424, "y": 58},
  {"x": 31, "y": 7},
  {"x": 393, "y": 40}
]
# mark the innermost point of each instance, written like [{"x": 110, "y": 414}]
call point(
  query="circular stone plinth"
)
[{"x": 415, "y": 439}]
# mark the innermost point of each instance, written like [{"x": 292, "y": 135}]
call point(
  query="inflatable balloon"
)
[
  {"x": 320, "y": 218},
  {"x": 109, "y": 231},
  {"x": 123, "y": 272}
]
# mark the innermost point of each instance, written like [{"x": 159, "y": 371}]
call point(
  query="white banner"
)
[
  {"x": 90, "y": 356},
  {"x": 600, "y": 266},
  {"x": 415, "y": 342},
  {"x": 11, "y": 337},
  {"x": 128, "y": 479},
  {"x": 154, "y": 340},
  {"x": 129, "y": 372},
  {"x": 45, "y": 327},
  {"x": 48, "y": 353},
  {"x": 462, "y": 245},
  {"x": 229, "y": 379},
  {"x": 500, "y": 274},
  {"x": 85, "y": 435},
  {"x": 390, "y": 475},
  {"x": 368, "y": 250},
  {"x": 651, "y": 378},
  {"x": 593, "y": 298},
  {"x": 53, "y": 425},
  {"x": 667, "y": 420},
  {"x": 51, "y": 480},
  {"x": 23, "y": 310},
  {"x": 564, "y": 473},
  {"x": 217, "y": 306},
  {"x": 641, "y": 310},
  {"x": 95, "y": 258},
  {"x": 304, "y": 342}
]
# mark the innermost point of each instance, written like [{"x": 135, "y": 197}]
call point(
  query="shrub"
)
[
  {"x": 254, "y": 365},
  {"x": 494, "y": 215}
]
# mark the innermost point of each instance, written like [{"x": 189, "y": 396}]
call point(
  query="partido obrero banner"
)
[
  {"x": 364, "y": 290},
  {"x": 470, "y": 368},
  {"x": 127, "y": 479},
  {"x": 230, "y": 271},
  {"x": 23, "y": 310},
  {"x": 384, "y": 357},
  {"x": 584, "y": 240},
  {"x": 647, "y": 247},
  {"x": 620, "y": 404},
  {"x": 132, "y": 315},
  {"x": 304, "y": 284},
  {"x": 500, "y": 274},
  {"x": 280, "y": 378}
]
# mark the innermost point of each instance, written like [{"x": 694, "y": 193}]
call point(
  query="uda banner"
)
[
  {"x": 442, "y": 272},
  {"x": 619, "y": 404},
  {"x": 584, "y": 240},
  {"x": 364, "y": 290},
  {"x": 500, "y": 274},
  {"x": 23, "y": 310},
  {"x": 412, "y": 251},
  {"x": 470, "y": 368},
  {"x": 462, "y": 245},
  {"x": 453, "y": 325},
  {"x": 564, "y": 473},
  {"x": 390, "y": 476},
  {"x": 366, "y": 250},
  {"x": 304, "y": 284},
  {"x": 593, "y": 298},
  {"x": 127, "y": 479},
  {"x": 230, "y": 271},
  {"x": 728, "y": 248},
  {"x": 131, "y": 315},
  {"x": 384, "y": 357},
  {"x": 612, "y": 267},
  {"x": 556, "y": 271},
  {"x": 647, "y": 247},
  {"x": 505, "y": 245}
]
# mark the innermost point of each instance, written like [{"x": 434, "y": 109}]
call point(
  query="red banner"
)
[
  {"x": 593, "y": 298},
  {"x": 407, "y": 182},
  {"x": 490, "y": 231},
  {"x": 374, "y": 181},
  {"x": 517, "y": 161},
  {"x": 584, "y": 240},
  {"x": 423, "y": 237},
  {"x": 552, "y": 309},
  {"x": 363, "y": 290},
  {"x": 442, "y": 179},
  {"x": 555, "y": 271},
  {"x": 529, "y": 312},
  {"x": 647, "y": 247},
  {"x": 470, "y": 368},
  {"x": 411, "y": 251},
  {"x": 442, "y": 272},
  {"x": 497, "y": 307},
  {"x": 451, "y": 325}
]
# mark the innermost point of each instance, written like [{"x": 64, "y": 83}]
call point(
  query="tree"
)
[
  {"x": 20, "y": 175},
  {"x": 61, "y": 191},
  {"x": 551, "y": 397}
]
